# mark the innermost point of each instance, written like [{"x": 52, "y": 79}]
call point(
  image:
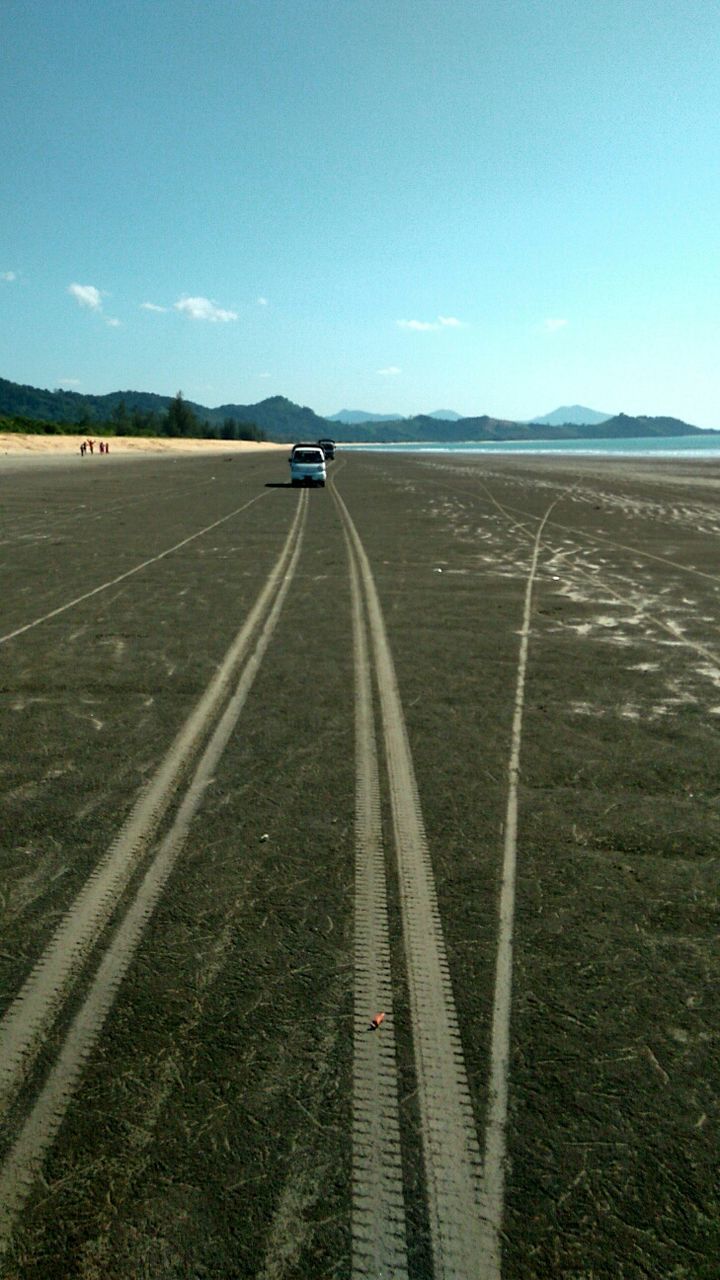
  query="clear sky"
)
[{"x": 491, "y": 206}]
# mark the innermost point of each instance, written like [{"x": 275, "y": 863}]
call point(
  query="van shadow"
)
[{"x": 279, "y": 484}]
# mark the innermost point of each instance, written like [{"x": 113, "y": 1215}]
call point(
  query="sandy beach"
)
[{"x": 29, "y": 446}]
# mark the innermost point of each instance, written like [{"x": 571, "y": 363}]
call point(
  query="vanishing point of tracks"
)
[{"x": 56, "y": 1020}]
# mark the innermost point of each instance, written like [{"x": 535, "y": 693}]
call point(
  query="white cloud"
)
[
  {"x": 151, "y": 306},
  {"x": 420, "y": 326},
  {"x": 69, "y": 382},
  {"x": 8, "y": 276},
  {"x": 552, "y": 325},
  {"x": 426, "y": 326},
  {"x": 264, "y": 375},
  {"x": 262, "y": 302},
  {"x": 204, "y": 309},
  {"x": 390, "y": 372},
  {"x": 86, "y": 295},
  {"x": 113, "y": 323}
]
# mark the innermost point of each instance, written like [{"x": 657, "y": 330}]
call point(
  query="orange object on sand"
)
[{"x": 379, "y": 1017}]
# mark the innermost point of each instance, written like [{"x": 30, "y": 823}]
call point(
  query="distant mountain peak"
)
[
  {"x": 445, "y": 415},
  {"x": 351, "y": 417},
  {"x": 279, "y": 401},
  {"x": 576, "y": 415}
]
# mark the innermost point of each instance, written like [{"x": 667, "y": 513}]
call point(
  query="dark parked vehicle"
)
[{"x": 328, "y": 448}]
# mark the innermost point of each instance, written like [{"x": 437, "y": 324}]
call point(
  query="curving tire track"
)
[
  {"x": 508, "y": 510},
  {"x": 26, "y": 1023},
  {"x": 489, "y": 1265}
]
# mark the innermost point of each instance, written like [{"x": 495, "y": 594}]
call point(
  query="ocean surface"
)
[{"x": 643, "y": 447}]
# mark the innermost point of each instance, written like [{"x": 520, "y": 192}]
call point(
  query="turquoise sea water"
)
[{"x": 665, "y": 447}]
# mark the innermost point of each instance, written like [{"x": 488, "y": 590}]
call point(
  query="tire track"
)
[
  {"x": 489, "y": 1264},
  {"x": 493, "y": 1185},
  {"x": 600, "y": 538},
  {"x": 38, "y": 535},
  {"x": 450, "y": 1147},
  {"x": 378, "y": 1215},
  {"x": 671, "y": 628},
  {"x": 28, "y": 626},
  {"x": 30, "y": 1016},
  {"x": 24, "y": 1162},
  {"x": 599, "y": 581}
]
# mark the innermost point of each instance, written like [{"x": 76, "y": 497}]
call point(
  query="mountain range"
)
[
  {"x": 577, "y": 415},
  {"x": 282, "y": 420},
  {"x": 351, "y": 417},
  {"x": 426, "y": 430}
]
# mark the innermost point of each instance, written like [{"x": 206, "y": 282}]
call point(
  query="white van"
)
[{"x": 307, "y": 465}]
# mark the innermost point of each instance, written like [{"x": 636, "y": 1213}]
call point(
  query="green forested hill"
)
[
  {"x": 143, "y": 412},
  {"x": 17, "y": 400},
  {"x": 277, "y": 418},
  {"x": 426, "y": 430}
]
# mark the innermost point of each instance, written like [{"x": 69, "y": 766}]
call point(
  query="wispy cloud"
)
[
  {"x": 113, "y": 323},
  {"x": 204, "y": 309},
  {"x": 264, "y": 375},
  {"x": 8, "y": 276},
  {"x": 391, "y": 371},
  {"x": 86, "y": 295},
  {"x": 427, "y": 326},
  {"x": 263, "y": 302},
  {"x": 553, "y": 325},
  {"x": 420, "y": 326},
  {"x": 151, "y": 306},
  {"x": 69, "y": 382}
]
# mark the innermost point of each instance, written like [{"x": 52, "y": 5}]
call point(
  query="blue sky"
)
[{"x": 493, "y": 206}]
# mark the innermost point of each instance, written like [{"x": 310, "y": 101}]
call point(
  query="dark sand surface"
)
[{"x": 210, "y": 1132}]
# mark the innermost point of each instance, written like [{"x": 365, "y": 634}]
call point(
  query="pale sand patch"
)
[{"x": 18, "y": 444}]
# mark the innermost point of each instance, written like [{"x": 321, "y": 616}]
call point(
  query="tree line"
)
[{"x": 178, "y": 420}]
